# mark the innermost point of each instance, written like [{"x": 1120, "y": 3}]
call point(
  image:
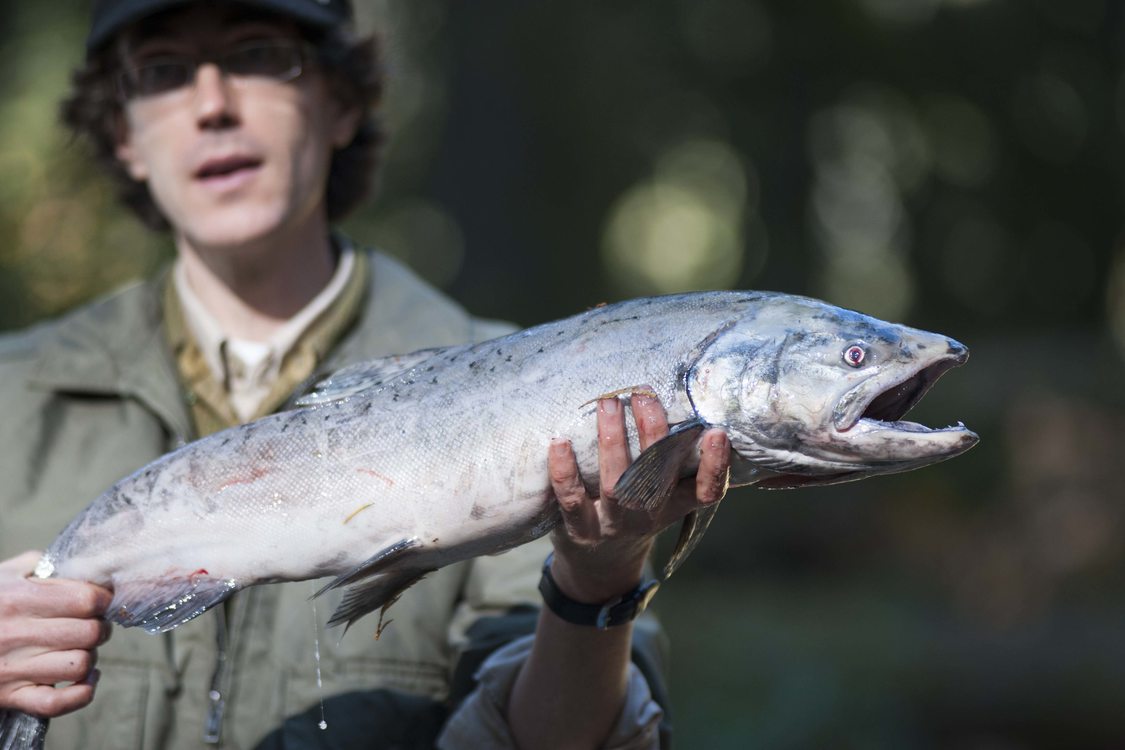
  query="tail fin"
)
[{"x": 20, "y": 731}]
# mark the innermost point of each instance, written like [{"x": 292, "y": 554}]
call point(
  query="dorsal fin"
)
[{"x": 353, "y": 379}]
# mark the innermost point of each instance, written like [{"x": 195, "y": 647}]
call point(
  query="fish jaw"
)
[
  {"x": 867, "y": 436},
  {"x": 868, "y": 418}
]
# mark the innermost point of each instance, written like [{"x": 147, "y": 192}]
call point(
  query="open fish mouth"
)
[
  {"x": 870, "y": 435},
  {"x": 883, "y": 406}
]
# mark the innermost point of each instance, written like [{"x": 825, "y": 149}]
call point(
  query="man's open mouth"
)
[{"x": 226, "y": 167}]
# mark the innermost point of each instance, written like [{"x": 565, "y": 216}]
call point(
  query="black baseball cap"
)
[{"x": 110, "y": 16}]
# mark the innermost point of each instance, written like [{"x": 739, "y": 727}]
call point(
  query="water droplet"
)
[{"x": 316, "y": 655}]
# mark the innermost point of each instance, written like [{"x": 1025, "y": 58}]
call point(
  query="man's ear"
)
[
  {"x": 125, "y": 151},
  {"x": 346, "y": 125}
]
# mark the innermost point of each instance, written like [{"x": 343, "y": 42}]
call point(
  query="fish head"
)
[{"x": 814, "y": 394}]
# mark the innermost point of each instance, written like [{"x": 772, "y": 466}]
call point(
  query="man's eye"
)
[
  {"x": 269, "y": 59},
  {"x": 158, "y": 77}
]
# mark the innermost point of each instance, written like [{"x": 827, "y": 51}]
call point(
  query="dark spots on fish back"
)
[
  {"x": 622, "y": 319},
  {"x": 683, "y": 371},
  {"x": 478, "y": 512},
  {"x": 121, "y": 500},
  {"x": 771, "y": 371}
]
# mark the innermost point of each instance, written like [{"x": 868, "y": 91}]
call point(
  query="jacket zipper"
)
[{"x": 217, "y": 704}]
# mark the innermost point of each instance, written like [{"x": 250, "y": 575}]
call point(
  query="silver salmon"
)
[{"x": 393, "y": 468}]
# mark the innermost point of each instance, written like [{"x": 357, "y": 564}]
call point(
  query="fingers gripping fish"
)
[{"x": 394, "y": 468}]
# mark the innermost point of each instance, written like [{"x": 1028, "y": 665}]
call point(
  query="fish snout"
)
[{"x": 958, "y": 351}]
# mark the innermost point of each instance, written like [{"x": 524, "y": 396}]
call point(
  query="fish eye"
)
[{"x": 854, "y": 355}]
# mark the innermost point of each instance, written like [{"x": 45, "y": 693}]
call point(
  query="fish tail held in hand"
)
[{"x": 20, "y": 731}]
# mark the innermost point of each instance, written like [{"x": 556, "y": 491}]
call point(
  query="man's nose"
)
[{"x": 215, "y": 104}]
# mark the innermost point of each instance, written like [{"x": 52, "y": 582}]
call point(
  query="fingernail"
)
[{"x": 609, "y": 405}]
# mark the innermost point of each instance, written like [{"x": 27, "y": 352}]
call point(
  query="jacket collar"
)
[
  {"x": 116, "y": 347},
  {"x": 401, "y": 314}
]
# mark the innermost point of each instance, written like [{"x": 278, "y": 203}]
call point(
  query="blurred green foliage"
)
[{"x": 953, "y": 164}]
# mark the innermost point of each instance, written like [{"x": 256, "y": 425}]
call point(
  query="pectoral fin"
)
[
  {"x": 648, "y": 482},
  {"x": 691, "y": 532}
]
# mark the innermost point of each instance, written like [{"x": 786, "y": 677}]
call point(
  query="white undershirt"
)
[{"x": 248, "y": 369}]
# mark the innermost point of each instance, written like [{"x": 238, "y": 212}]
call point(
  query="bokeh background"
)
[{"x": 953, "y": 164}]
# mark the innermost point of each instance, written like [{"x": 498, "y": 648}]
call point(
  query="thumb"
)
[{"x": 21, "y": 565}]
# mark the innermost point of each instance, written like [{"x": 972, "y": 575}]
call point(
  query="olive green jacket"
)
[{"x": 89, "y": 398}]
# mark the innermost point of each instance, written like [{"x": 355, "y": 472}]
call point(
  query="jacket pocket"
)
[{"x": 116, "y": 720}]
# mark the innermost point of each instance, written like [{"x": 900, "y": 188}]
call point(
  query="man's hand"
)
[
  {"x": 49, "y": 630},
  {"x": 601, "y": 549}
]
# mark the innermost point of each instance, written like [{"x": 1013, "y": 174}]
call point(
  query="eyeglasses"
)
[{"x": 275, "y": 59}]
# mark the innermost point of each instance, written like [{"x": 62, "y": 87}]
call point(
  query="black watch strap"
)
[{"x": 616, "y": 611}]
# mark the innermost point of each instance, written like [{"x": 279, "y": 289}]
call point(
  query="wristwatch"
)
[{"x": 617, "y": 611}]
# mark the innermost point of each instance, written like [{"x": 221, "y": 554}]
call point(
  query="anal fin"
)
[
  {"x": 378, "y": 582},
  {"x": 648, "y": 482},
  {"x": 379, "y": 593},
  {"x": 374, "y": 565}
]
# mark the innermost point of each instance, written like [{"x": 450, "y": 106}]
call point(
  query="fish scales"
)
[{"x": 271, "y": 481}]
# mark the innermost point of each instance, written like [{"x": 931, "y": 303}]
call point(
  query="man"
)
[{"x": 245, "y": 128}]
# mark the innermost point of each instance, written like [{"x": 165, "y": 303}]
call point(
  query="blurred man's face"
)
[{"x": 236, "y": 155}]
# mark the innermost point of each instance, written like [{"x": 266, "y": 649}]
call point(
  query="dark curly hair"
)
[{"x": 93, "y": 111}]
